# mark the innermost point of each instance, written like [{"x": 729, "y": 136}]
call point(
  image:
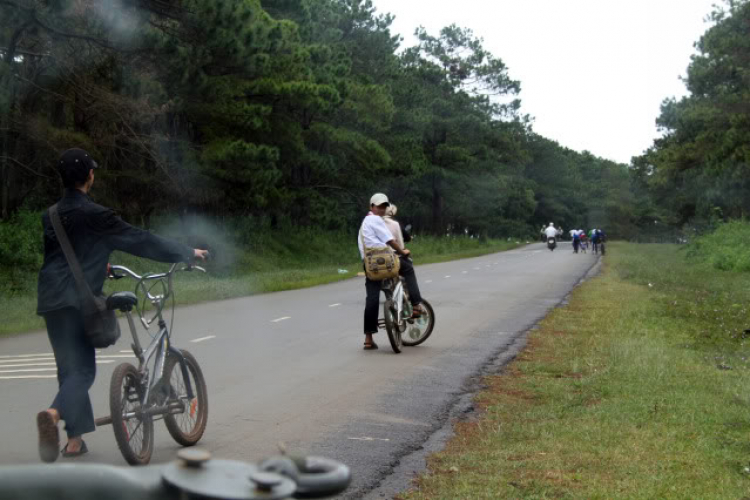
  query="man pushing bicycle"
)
[{"x": 94, "y": 232}]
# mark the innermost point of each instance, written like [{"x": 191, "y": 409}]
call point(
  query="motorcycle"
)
[{"x": 551, "y": 244}]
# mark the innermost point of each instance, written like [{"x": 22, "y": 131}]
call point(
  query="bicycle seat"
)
[{"x": 123, "y": 301}]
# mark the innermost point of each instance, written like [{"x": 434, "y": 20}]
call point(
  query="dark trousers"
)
[
  {"x": 373, "y": 294},
  {"x": 76, "y": 369}
]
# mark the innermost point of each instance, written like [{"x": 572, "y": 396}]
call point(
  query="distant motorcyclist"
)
[{"x": 551, "y": 231}]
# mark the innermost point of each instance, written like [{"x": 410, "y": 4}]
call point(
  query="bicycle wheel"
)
[
  {"x": 134, "y": 433},
  {"x": 392, "y": 326},
  {"x": 186, "y": 427},
  {"x": 419, "y": 329}
]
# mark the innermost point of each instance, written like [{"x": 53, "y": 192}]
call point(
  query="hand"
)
[
  {"x": 200, "y": 254},
  {"x": 405, "y": 252}
]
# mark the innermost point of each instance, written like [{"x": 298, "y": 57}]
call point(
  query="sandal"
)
[
  {"x": 371, "y": 346},
  {"x": 49, "y": 436},
  {"x": 72, "y": 454}
]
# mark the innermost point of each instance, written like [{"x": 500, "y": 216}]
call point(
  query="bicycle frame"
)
[
  {"x": 160, "y": 344},
  {"x": 394, "y": 290}
]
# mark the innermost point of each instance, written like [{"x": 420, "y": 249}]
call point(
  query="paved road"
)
[{"x": 289, "y": 367}]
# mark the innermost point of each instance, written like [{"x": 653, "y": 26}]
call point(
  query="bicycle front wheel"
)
[
  {"x": 187, "y": 426},
  {"x": 419, "y": 329},
  {"x": 392, "y": 325},
  {"x": 134, "y": 432}
]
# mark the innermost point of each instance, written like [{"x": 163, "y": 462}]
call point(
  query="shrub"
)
[
  {"x": 725, "y": 249},
  {"x": 21, "y": 241}
]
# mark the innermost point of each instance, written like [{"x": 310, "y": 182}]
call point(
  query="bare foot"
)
[
  {"x": 55, "y": 414},
  {"x": 74, "y": 444}
]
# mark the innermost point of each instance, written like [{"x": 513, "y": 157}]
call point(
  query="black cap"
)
[{"x": 76, "y": 161}]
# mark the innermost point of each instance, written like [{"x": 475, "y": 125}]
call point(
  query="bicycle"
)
[
  {"x": 172, "y": 387},
  {"x": 194, "y": 475},
  {"x": 397, "y": 320}
]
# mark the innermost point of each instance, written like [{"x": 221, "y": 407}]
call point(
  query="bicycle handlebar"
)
[
  {"x": 276, "y": 478},
  {"x": 119, "y": 272},
  {"x": 112, "y": 272}
]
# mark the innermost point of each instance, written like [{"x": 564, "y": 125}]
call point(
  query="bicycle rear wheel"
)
[
  {"x": 392, "y": 325},
  {"x": 134, "y": 433},
  {"x": 186, "y": 427},
  {"x": 419, "y": 329}
]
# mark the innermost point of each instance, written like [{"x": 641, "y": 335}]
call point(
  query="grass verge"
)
[
  {"x": 279, "y": 267},
  {"x": 638, "y": 388}
]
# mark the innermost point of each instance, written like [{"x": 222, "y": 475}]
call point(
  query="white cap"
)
[{"x": 378, "y": 199}]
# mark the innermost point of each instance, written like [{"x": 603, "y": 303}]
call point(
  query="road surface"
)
[{"x": 289, "y": 367}]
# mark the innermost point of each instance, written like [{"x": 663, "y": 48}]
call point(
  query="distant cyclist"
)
[
  {"x": 597, "y": 239},
  {"x": 576, "y": 234}
]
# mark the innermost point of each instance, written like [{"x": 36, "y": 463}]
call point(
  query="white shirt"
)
[
  {"x": 551, "y": 232},
  {"x": 395, "y": 229},
  {"x": 376, "y": 233}
]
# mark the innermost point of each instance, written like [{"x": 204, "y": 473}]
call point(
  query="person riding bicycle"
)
[
  {"x": 94, "y": 233},
  {"x": 597, "y": 238},
  {"x": 394, "y": 226},
  {"x": 576, "y": 234},
  {"x": 584, "y": 240},
  {"x": 375, "y": 233}
]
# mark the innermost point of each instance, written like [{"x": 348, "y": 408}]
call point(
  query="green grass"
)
[
  {"x": 638, "y": 388},
  {"x": 272, "y": 263}
]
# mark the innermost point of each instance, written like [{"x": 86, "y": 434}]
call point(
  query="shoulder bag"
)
[
  {"x": 99, "y": 323},
  {"x": 380, "y": 263}
]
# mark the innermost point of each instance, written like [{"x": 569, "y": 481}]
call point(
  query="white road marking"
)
[
  {"x": 29, "y": 370},
  {"x": 464, "y": 272},
  {"x": 428, "y": 281},
  {"x": 30, "y": 364},
  {"x": 25, "y": 360},
  {"x": 5, "y": 362},
  {"x": 27, "y": 376},
  {"x": 448, "y": 276},
  {"x": 26, "y": 365},
  {"x": 43, "y": 354},
  {"x": 280, "y": 319},
  {"x": 366, "y": 438},
  {"x": 125, "y": 351},
  {"x": 203, "y": 338},
  {"x": 334, "y": 305}
]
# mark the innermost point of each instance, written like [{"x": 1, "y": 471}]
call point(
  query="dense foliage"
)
[
  {"x": 289, "y": 112},
  {"x": 697, "y": 173},
  {"x": 725, "y": 249}
]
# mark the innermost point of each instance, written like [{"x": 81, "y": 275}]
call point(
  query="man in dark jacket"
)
[{"x": 94, "y": 233}]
